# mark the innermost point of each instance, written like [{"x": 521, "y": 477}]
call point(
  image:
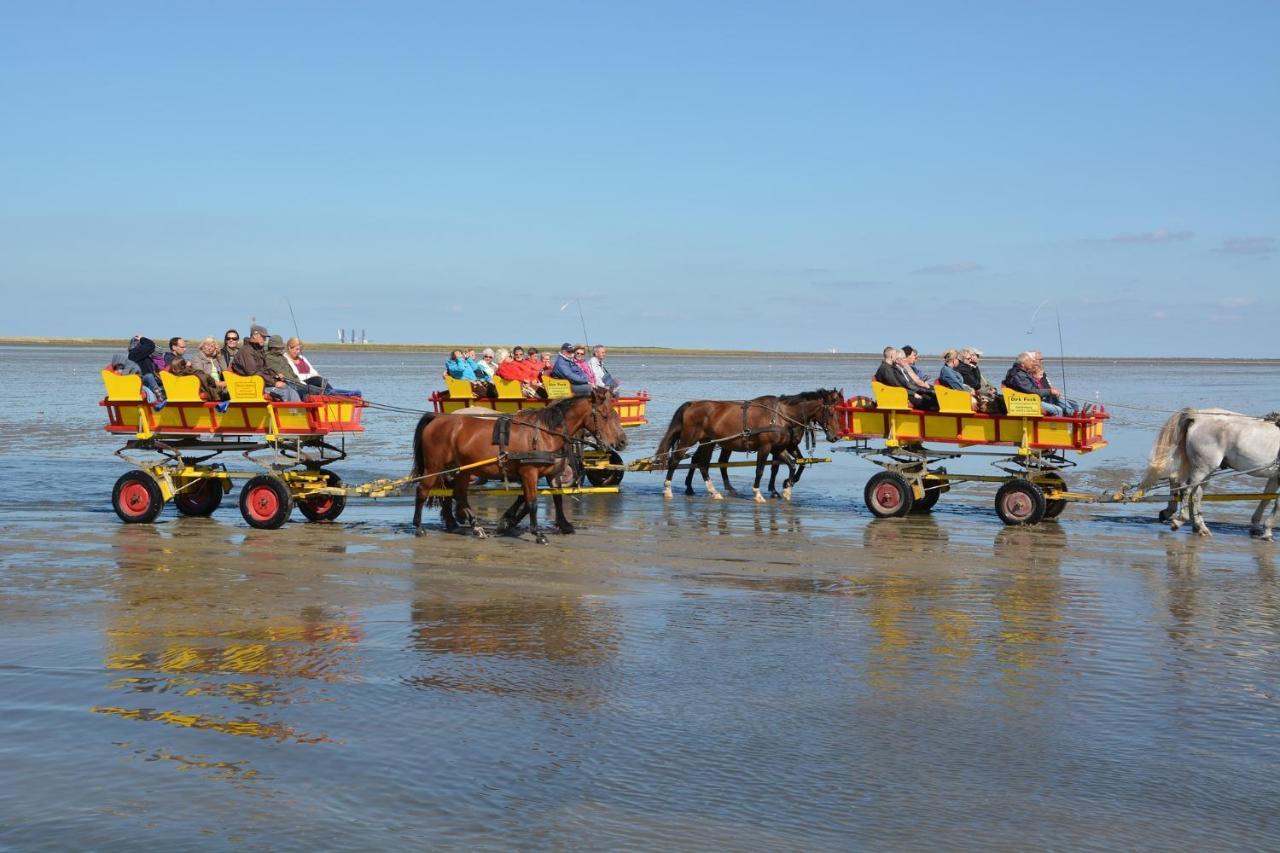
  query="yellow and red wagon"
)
[
  {"x": 1030, "y": 450},
  {"x": 175, "y": 450},
  {"x": 602, "y": 469}
]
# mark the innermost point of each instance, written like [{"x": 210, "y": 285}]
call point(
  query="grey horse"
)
[{"x": 1198, "y": 442}]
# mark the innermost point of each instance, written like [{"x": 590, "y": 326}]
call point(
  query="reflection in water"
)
[
  {"x": 552, "y": 648},
  {"x": 196, "y": 642},
  {"x": 1029, "y": 601},
  {"x": 915, "y": 534}
]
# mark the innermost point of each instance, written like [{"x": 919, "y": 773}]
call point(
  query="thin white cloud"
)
[
  {"x": 1249, "y": 246},
  {"x": 853, "y": 284},
  {"x": 1235, "y": 301},
  {"x": 1160, "y": 235},
  {"x": 949, "y": 269}
]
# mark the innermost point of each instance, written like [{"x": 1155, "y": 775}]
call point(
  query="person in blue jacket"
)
[
  {"x": 460, "y": 367},
  {"x": 566, "y": 367}
]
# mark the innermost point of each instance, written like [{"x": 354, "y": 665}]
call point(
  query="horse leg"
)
[
  {"x": 703, "y": 462},
  {"x": 1193, "y": 503},
  {"x": 562, "y": 523},
  {"x": 1170, "y": 512},
  {"x": 761, "y": 456},
  {"x": 693, "y": 466},
  {"x": 529, "y": 481},
  {"x": 725, "y": 453},
  {"x": 1256, "y": 526},
  {"x": 464, "y": 506},
  {"x": 791, "y": 474},
  {"x": 419, "y": 498},
  {"x": 676, "y": 455},
  {"x": 512, "y": 516}
]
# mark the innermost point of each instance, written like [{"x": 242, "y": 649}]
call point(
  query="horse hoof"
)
[
  {"x": 689, "y": 491},
  {"x": 479, "y": 533},
  {"x": 716, "y": 496},
  {"x": 540, "y": 539},
  {"x": 1175, "y": 524},
  {"x": 1203, "y": 531},
  {"x": 567, "y": 529},
  {"x": 1164, "y": 515},
  {"x": 418, "y": 531},
  {"x": 761, "y": 499},
  {"x": 786, "y": 494}
]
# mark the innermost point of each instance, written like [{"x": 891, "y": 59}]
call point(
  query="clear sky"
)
[{"x": 799, "y": 176}]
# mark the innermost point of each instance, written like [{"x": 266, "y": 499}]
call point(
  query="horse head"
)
[
  {"x": 828, "y": 418},
  {"x": 602, "y": 420}
]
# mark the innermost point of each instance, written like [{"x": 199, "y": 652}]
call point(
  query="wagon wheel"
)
[
  {"x": 607, "y": 478},
  {"x": 265, "y": 502},
  {"x": 200, "y": 498},
  {"x": 137, "y": 498},
  {"x": 888, "y": 494},
  {"x": 932, "y": 491},
  {"x": 1053, "y": 508},
  {"x": 324, "y": 507},
  {"x": 1020, "y": 501}
]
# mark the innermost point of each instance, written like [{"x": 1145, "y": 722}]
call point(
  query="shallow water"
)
[{"x": 679, "y": 674}]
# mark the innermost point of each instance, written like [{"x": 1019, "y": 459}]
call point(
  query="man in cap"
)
[
  {"x": 567, "y": 367},
  {"x": 251, "y": 360}
]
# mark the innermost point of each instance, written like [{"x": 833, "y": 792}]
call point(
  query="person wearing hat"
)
[
  {"x": 278, "y": 363},
  {"x": 251, "y": 360},
  {"x": 568, "y": 367}
]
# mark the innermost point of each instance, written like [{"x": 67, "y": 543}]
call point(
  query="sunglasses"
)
[{"x": 232, "y": 338}]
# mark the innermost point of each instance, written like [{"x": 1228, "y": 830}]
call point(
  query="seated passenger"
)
[
  {"x": 208, "y": 359},
  {"x": 278, "y": 362},
  {"x": 208, "y": 388},
  {"x": 534, "y": 358},
  {"x": 520, "y": 369},
  {"x": 459, "y": 367},
  {"x": 887, "y": 373},
  {"x": 122, "y": 365},
  {"x": 893, "y": 372},
  {"x": 251, "y": 360},
  {"x": 1020, "y": 379},
  {"x": 486, "y": 367},
  {"x": 568, "y": 367},
  {"x": 1069, "y": 405},
  {"x": 949, "y": 376},
  {"x": 142, "y": 353},
  {"x": 230, "y": 346},
  {"x": 909, "y": 357},
  {"x": 306, "y": 372},
  {"x": 969, "y": 370},
  {"x": 547, "y": 364},
  {"x": 177, "y": 349},
  {"x": 599, "y": 373}
]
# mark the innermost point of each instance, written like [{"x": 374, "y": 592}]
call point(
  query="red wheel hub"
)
[
  {"x": 135, "y": 499},
  {"x": 1018, "y": 505},
  {"x": 263, "y": 503},
  {"x": 320, "y": 504},
  {"x": 888, "y": 496}
]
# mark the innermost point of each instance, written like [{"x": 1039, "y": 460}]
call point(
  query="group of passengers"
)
[
  {"x": 960, "y": 371},
  {"x": 287, "y": 375},
  {"x": 529, "y": 367}
]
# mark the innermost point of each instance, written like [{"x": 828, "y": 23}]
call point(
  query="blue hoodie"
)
[{"x": 461, "y": 368}]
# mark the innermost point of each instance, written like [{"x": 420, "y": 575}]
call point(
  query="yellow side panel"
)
[
  {"x": 867, "y": 422},
  {"x": 180, "y": 389},
  {"x": 1022, "y": 405},
  {"x": 122, "y": 387},
  {"x": 508, "y": 388},
  {"x": 506, "y": 406},
  {"x": 1011, "y": 430},
  {"x": 168, "y": 417},
  {"x": 292, "y": 418},
  {"x": 1055, "y": 433},
  {"x": 889, "y": 397},
  {"x": 199, "y": 418},
  {"x": 244, "y": 389},
  {"x": 906, "y": 426},
  {"x": 936, "y": 426},
  {"x": 557, "y": 389},
  {"x": 978, "y": 429},
  {"x": 951, "y": 400}
]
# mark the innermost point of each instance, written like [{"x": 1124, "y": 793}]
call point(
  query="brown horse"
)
[
  {"x": 536, "y": 446},
  {"x": 764, "y": 425}
]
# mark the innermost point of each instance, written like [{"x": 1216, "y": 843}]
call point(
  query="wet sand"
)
[{"x": 679, "y": 673}]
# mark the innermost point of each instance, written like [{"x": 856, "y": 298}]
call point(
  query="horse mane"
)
[
  {"x": 1273, "y": 417},
  {"x": 802, "y": 397},
  {"x": 552, "y": 416}
]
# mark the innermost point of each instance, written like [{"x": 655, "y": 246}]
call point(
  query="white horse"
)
[{"x": 1201, "y": 441}]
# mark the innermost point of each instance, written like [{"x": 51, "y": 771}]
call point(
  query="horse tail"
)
[
  {"x": 1168, "y": 448},
  {"x": 673, "y": 433},
  {"x": 419, "y": 456}
]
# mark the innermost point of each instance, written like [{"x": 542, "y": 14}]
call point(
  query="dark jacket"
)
[
  {"x": 251, "y": 360},
  {"x": 565, "y": 368},
  {"x": 1019, "y": 379},
  {"x": 140, "y": 352},
  {"x": 888, "y": 374},
  {"x": 971, "y": 375}
]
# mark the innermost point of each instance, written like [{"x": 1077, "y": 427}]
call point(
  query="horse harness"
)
[{"x": 749, "y": 432}]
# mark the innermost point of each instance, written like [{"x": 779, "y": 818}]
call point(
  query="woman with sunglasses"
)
[{"x": 230, "y": 345}]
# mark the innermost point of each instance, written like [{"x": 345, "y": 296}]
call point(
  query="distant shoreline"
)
[{"x": 667, "y": 352}]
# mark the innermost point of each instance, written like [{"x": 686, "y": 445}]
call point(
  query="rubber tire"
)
[
  {"x": 931, "y": 496},
  {"x": 607, "y": 478},
  {"x": 137, "y": 498},
  {"x": 880, "y": 496},
  {"x": 1054, "y": 508},
  {"x": 324, "y": 507},
  {"x": 199, "y": 500},
  {"x": 265, "y": 502},
  {"x": 1020, "y": 501}
]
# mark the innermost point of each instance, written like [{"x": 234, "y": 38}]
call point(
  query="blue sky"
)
[{"x": 798, "y": 176}]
